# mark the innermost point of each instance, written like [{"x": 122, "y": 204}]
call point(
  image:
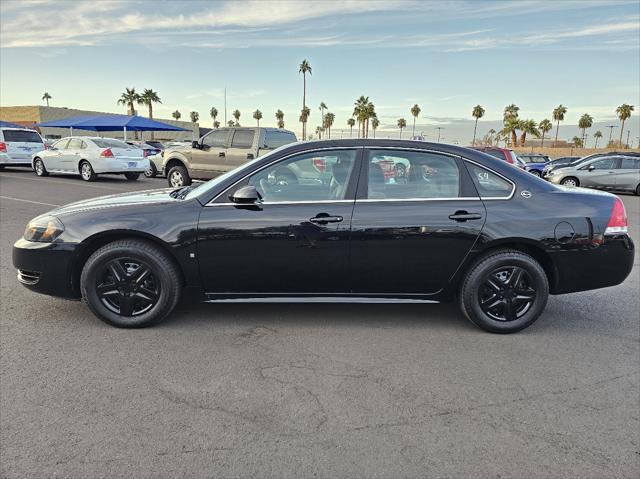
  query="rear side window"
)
[
  {"x": 74, "y": 144},
  {"x": 489, "y": 184},
  {"x": 242, "y": 139},
  {"x": 22, "y": 136},
  {"x": 630, "y": 164},
  {"x": 276, "y": 139}
]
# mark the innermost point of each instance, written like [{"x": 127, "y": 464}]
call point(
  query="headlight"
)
[{"x": 44, "y": 229}]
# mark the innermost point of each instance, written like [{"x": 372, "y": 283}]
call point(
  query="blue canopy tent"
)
[
  {"x": 111, "y": 123},
  {"x": 6, "y": 124}
]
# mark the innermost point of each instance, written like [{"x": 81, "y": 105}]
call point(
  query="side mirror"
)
[
  {"x": 591, "y": 168},
  {"x": 247, "y": 195},
  {"x": 195, "y": 144}
]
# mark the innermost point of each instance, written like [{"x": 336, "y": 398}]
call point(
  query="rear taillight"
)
[
  {"x": 618, "y": 223},
  {"x": 46, "y": 147},
  {"x": 3, "y": 147},
  {"x": 107, "y": 153},
  {"x": 149, "y": 152}
]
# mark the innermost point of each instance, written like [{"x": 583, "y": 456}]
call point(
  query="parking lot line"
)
[
  {"x": 26, "y": 201},
  {"x": 48, "y": 180}
]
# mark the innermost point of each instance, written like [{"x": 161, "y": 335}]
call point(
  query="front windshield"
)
[{"x": 209, "y": 185}]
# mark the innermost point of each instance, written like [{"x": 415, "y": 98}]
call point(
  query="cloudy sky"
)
[{"x": 446, "y": 56}]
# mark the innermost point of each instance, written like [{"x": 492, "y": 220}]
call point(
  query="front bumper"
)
[{"x": 46, "y": 268}]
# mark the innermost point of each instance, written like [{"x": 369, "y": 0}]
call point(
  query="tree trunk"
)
[
  {"x": 473, "y": 143},
  {"x": 401, "y": 133},
  {"x": 514, "y": 138},
  {"x": 523, "y": 138},
  {"x": 304, "y": 104},
  {"x": 151, "y": 115},
  {"x": 555, "y": 143},
  {"x": 414, "y": 126},
  {"x": 596, "y": 144},
  {"x": 367, "y": 133},
  {"x": 621, "y": 132},
  {"x": 542, "y": 141}
]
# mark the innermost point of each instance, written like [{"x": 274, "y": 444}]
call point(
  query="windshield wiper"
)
[{"x": 180, "y": 194}]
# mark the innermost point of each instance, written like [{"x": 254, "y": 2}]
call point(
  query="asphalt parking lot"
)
[{"x": 310, "y": 391}]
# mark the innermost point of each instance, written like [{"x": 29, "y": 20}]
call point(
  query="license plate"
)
[{"x": 132, "y": 164}]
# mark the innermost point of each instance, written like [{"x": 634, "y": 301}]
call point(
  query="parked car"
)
[
  {"x": 90, "y": 157},
  {"x": 534, "y": 163},
  {"x": 151, "y": 153},
  {"x": 220, "y": 150},
  {"x": 552, "y": 165},
  {"x": 17, "y": 145},
  {"x": 613, "y": 172},
  {"x": 504, "y": 154},
  {"x": 473, "y": 229}
]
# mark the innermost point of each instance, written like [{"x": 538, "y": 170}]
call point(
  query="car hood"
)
[{"x": 137, "y": 197}]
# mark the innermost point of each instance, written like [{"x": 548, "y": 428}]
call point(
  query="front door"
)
[
  {"x": 599, "y": 174},
  {"x": 208, "y": 160},
  {"x": 416, "y": 217},
  {"x": 295, "y": 242}
]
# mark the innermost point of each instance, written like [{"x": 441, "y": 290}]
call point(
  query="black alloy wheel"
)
[{"x": 507, "y": 293}]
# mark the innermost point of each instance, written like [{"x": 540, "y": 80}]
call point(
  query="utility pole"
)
[
  {"x": 225, "y": 105},
  {"x": 628, "y": 133},
  {"x": 439, "y": 128},
  {"x": 611, "y": 127}
]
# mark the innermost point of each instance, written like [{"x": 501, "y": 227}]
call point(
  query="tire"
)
[
  {"x": 152, "y": 172},
  {"x": 178, "y": 176},
  {"x": 489, "y": 292},
  {"x": 132, "y": 176},
  {"x": 536, "y": 173},
  {"x": 86, "y": 171},
  {"x": 570, "y": 181},
  {"x": 39, "y": 168},
  {"x": 150, "y": 294},
  {"x": 638, "y": 190}
]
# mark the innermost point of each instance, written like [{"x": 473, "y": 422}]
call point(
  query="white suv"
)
[{"x": 17, "y": 145}]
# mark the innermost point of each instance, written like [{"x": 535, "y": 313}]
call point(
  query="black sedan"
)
[{"x": 332, "y": 221}]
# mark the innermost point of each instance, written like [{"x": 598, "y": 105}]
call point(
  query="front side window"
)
[
  {"x": 489, "y": 184},
  {"x": 216, "y": 139},
  {"x": 398, "y": 175},
  {"x": 604, "y": 164},
  {"x": 242, "y": 139},
  {"x": 60, "y": 145},
  {"x": 313, "y": 176}
]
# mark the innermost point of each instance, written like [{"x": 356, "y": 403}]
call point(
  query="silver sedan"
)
[{"x": 609, "y": 173}]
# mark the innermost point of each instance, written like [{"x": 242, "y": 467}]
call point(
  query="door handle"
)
[
  {"x": 221, "y": 154},
  {"x": 464, "y": 216},
  {"x": 323, "y": 219},
  {"x": 250, "y": 156}
]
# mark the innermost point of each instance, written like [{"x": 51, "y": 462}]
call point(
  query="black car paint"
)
[{"x": 245, "y": 251}]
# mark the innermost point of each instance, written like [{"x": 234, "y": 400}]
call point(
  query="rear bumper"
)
[
  {"x": 45, "y": 267},
  {"x": 606, "y": 265},
  {"x": 5, "y": 159},
  {"x": 120, "y": 166}
]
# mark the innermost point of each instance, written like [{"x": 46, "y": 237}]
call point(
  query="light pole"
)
[
  {"x": 439, "y": 128},
  {"x": 628, "y": 133},
  {"x": 611, "y": 127}
]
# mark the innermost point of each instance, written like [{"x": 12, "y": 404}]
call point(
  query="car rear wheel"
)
[
  {"x": 504, "y": 292},
  {"x": 86, "y": 171},
  {"x": 132, "y": 176},
  {"x": 638, "y": 190},
  {"x": 152, "y": 172},
  {"x": 570, "y": 181},
  {"x": 178, "y": 177},
  {"x": 130, "y": 284},
  {"x": 39, "y": 167}
]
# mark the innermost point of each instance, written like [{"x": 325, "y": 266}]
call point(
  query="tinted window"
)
[
  {"x": 630, "y": 164},
  {"x": 318, "y": 176},
  {"x": 242, "y": 139},
  {"x": 23, "y": 136},
  {"x": 60, "y": 145},
  {"x": 489, "y": 184},
  {"x": 216, "y": 139},
  {"x": 604, "y": 164},
  {"x": 409, "y": 174},
  {"x": 110, "y": 143},
  {"x": 275, "y": 139},
  {"x": 496, "y": 153},
  {"x": 74, "y": 144}
]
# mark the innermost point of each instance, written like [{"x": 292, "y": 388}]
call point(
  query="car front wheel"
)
[
  {"x": 178, "y": 177},
  {"x": 536, "y": 173},
  {"x": 38, "y": 165},
  {"x": 130, "y": 283},
  {"x": 570, "y": 181},
  {"x": 504, "y": 291}
]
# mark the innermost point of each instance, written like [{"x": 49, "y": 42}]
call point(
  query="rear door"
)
[
  {"x": 411, "y": 233},
  {"x": 21, "y": 144},
  {"x": 243, "y": 147},
  {"x": 71, "y": 156},
  {"x": 208, "y": 161},
  {"x": 628, "y": 173}
]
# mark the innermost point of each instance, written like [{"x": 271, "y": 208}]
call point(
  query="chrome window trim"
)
[
  {"x": 281, "y": 159},
  {"x": 398, "y": 200},
  {"x": 281, "y": 203}
]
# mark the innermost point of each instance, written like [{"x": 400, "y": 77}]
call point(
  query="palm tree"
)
[
  {"x": 176, "y": 114},
  {"x": 214, "y": 114},
  {"x": 576, "y": 142},
  {"x": 195, "y": 116},
  {"x": 236, "y": 115},
  {"x": 585, "y": 121},
  {"x": 304, "y": 68},
  {"x": 280, "y": 118},
  {"x": 329, "y": 118},
  {"x": 511, "y": 124},
  {"x": 149, "y": 97},
  {"x": 510, "y": 111},
  {"x": 257, "y": 115},
  {"x": 322, "y": 108},
  {"x": 528, "y": 127},
  {"x": 558, "y": 115},
  {"x": 375, "y": 123},
  {"x": 360, "y": 113},
  {"x": 304, "y": 117},
  {"x": 216, "y": 124},
  {"x": 128, "y": 98},
  {"x": 597, "y": 135},
  {"x": 415, "y": 111},
  {"x": 545, "y": 127},
  {"x": 477, "y": 113},
  {"x": 319, "y": 131},
  {"x": 624, "y": 113},
  {"x": 230, "y": 123},
  {"x": 351, "y": 122},
  {"x": 402, "y": 123},
  {"x": 46, "y": 97}
]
